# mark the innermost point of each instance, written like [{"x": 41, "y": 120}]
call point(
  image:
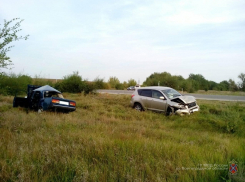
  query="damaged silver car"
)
[{"x": 163, "y": 99}]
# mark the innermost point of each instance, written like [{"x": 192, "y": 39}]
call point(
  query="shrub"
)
[
  {"x": 113, "y": 81},
  {"x": 99, "y": 83},
  {"x": 13, "y": 84},
  {"x": 119, "y": 86},
  {"x": 88, "y": 87},
  {"x": 131, "y": 82},
  {"x": 74, "y": 84}
]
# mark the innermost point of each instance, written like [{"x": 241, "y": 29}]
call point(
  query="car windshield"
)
[{"x": 171, "y": 93}]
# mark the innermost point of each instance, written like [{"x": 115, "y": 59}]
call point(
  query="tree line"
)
[
  {"x": 194, "y": 82},
  {"x": 13, "y": 84}
]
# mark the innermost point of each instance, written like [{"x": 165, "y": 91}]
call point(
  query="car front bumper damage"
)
[{"x": 187, "y": 111}]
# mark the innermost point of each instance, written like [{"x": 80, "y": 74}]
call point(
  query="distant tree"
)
[
  {"x": 224, "y": 86},
  {"x": 212, "y": 85},
  {"x": 8, "y": 34},
  {"x": 164, "y": 79},
  {"x": 242, "y": 83},
  {"x": 113, "y": 81},
  {"x": 131, "y": 82},
  {"x": 125, "y": 84},
  {"x": 200, "y": 83},
  {"x": 187, "y": 86},
  {"x": 232, "y": 85}
]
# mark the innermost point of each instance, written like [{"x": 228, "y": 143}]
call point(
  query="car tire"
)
[{"x": 138, "y": 107}]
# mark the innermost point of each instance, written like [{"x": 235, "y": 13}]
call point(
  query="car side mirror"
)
[{"x": 162, "y": 98}]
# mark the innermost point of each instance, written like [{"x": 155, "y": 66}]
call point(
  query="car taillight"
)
[
  {"x": 132, "y": 96},
  {"x": 55, "y": 101},
  {"x": 73, "y": 104}
]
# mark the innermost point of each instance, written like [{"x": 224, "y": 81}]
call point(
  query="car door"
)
[
  {"x": 35, "y": 99},
  {"x": 145, "y": 98},
  {"x": 157, "y": 102}
]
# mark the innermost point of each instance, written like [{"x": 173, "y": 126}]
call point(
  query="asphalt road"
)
[{"x": 197, "y": 96}]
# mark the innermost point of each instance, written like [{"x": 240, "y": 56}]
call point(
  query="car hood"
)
[{"x": 184, "y": 99}]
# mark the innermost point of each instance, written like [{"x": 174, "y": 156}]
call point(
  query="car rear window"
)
[{"x": 146, "y": 93}]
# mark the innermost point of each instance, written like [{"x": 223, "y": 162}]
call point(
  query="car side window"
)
[
  {"x": 139, "y": 92},
  {"x": 156, "y": 94},
  {"x": 146, "y": 93}
]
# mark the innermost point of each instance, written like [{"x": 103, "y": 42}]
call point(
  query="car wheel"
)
[{"x": 138, "y": 107}]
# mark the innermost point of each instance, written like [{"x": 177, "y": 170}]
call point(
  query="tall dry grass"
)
[{"x": 106, "y": 140}]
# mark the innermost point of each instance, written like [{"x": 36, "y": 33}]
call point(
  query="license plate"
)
[
  {"x": 194, "y": 110},
  {"x": 64, "y": 103}
]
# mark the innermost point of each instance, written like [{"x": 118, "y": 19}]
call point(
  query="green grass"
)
[{"x": 106, "y": 140}]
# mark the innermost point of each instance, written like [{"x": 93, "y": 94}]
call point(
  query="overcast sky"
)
[{"x": 129, "y": 38}]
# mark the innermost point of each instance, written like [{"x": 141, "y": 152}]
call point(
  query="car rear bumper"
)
[{"x": 63, "y": 108}]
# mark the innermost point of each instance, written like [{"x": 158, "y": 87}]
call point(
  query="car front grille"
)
[{"x": 191, "y": 104}]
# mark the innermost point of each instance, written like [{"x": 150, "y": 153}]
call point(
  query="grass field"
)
[{"x": 106, "y": 140}]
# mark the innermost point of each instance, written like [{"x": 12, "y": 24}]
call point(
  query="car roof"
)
[
  {"x": 156, "y": 88},
  {"x": 47, "y": 88}
]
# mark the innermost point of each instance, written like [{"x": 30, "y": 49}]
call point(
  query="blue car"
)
[{"x": 43, "y": 98}]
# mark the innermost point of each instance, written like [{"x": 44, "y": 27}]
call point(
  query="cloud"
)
[{"x": 109, "y": 38}]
